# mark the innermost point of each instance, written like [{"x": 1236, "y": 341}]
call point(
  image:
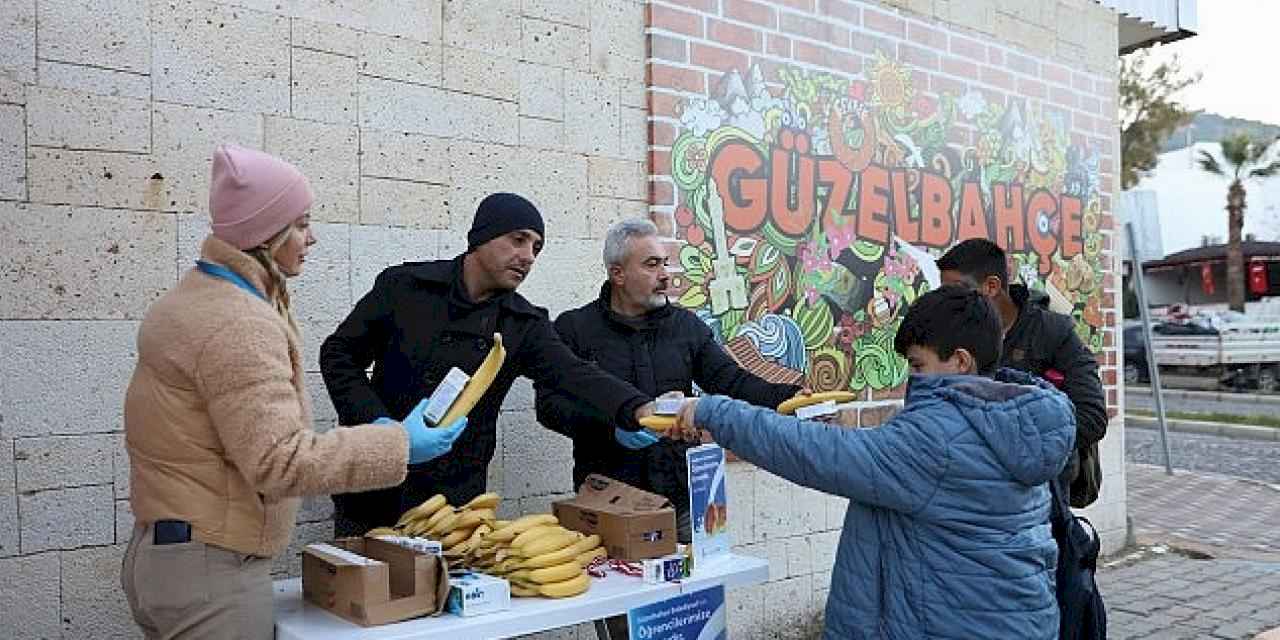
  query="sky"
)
[{"x": 1229, "y": 50}]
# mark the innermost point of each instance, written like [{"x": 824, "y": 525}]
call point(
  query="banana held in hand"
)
[
  {"x": 478, "y": 384},
  {"x": 659, "y": 423},
  {"x": 790, "y": 405}
]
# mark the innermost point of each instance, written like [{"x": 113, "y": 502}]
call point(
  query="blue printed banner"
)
[
  {"x": 708, "y": 503},
  {"x": 692, "y": 616}
]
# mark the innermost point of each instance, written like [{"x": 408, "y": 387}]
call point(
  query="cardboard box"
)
[
  {"x": 473, "y": 594},
  {"x": 371, "y": 582},
  {"x": 633, "y": 524}
]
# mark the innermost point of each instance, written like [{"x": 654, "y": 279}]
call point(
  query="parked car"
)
[{"x": 1135, "y": 354}]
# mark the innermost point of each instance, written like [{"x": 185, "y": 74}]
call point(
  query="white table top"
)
[{"x": 615, "y": 594}]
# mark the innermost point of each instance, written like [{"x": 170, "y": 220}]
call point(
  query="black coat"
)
[
  {"x": 1040, "y": 340},
  {"x": 413, "y": 326},
  {"x": 667, "y": 349}
]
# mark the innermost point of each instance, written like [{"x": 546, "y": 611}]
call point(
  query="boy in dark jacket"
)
[
  {"x": 947, "y": 533},
  {"x": 1041, "y": 343}
]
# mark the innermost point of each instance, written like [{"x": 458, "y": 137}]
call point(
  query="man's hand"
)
[
  {"x": 685, "y": 428},
  {"x": 646, "y": 409}
]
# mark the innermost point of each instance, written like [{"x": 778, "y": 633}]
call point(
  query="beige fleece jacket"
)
[{"x": 218, "y": 421}]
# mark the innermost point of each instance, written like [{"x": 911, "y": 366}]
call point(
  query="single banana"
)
[
  {"x": 382, "y": 531},
  {"x": 554, "y": 541},
  {"x": 472, "y": 519},
  {"x": 522, "y": 591},
  {"x": 790, "y": 405},
  {"x": 520, "y": 525},
  {"x": 446, "y": 524},
  {"x": 424, "y": 510},
  {"x": 567, "y": 588},
  {"x": 484, "y": 501},
  {"x": 478, "y": 384},
  {"x": 417, "y": 528},
  {"x": 455, "y": 537},
  {"x": 658, "y": 423},
  {"x": 592, "y": 555},
  {"x": 439, "y": 515},
  {"x": 566, "y": 554},
  {"x": 557, "y": 573}
]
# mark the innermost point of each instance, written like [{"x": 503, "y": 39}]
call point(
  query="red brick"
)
[
  {"x": 1109, "y": 338},
  {"x": 875, "y": 416},
  {"x": 814, "y": 29},
  {"x": 661, "y": 193},
  {"x": 718, "y": 58},
  {"x": 1106, "y": 243},
  {"x": 1064, "y": 96},
  {"x": 661, "y": 75},
  {"x": 659, "y": 161},
  {"x": 870, "y": 44},
  {"x": 664, "y": 104},
  {"x": 776, "y": 45},
  {"x": 995, "y": 56},
  {"x": 1107, "y": 221},
  {"x": 661, "y": 134},
  {"x": 1077, "y": 139},
  {"x": 946, "y": 84},
  {"x": 1112, "y": 396},
  {"x": 840, "y": 10},
  {"x": 1111, "y": 413},
  {"x": 1089, "y": 104},
  {"x": 1022, "y": 64},
  {"x": 734, "y": 35},
  {"x": 896, "y": 393},
  {"x": 753, "y": 12},
  {"x": 884, "y": 22},
  {"x": 705, "y": 6},
  {"x": 920, "y": 80},
  {"x": 1055, "y": 73},
  {"x": 668, "y": 48},
  {"x": 1032, "y": 88},
  {"x": 802, "y": 5},
  {"x": 971, "y": 49},
  {"x": 1109, "y": 318},
  {"x": 1111, "y": 358},
  {"x": 668, "y": 19},
  {"x": 960, "y": 67},
  {"x": 1109, "y": 300},
  {"x": 1081, "y": 82},
  {"x": 918, "y": 56},
  {"x": 845, "y": 61},
  {"x": 1104, "y": 87},
  {"x": 811, "y": 53},
  {"x": 932, "y": 38},
  {"x": 1109, "y": 376},
  {"x": 997, "y": 77}
]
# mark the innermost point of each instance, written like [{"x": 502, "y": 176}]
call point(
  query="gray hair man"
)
[{"x": 633, "y": 332}]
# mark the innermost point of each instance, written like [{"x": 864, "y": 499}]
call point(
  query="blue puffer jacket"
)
[{"x": 947, "y": 533}]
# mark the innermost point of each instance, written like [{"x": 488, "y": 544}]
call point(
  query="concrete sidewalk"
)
[{"x": 1208, "y": 561}]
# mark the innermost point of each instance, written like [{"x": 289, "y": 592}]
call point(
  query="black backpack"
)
[{"x": 1083, "y": 616}]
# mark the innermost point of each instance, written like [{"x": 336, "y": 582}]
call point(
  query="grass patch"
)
[{"x": 1226, "y": 418}]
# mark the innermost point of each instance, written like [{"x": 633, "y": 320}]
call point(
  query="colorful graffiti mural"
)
[{"x": 813, "y": 216}]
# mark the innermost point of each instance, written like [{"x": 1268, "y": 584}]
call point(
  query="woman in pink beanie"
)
[{"x": 218, "y": 420}]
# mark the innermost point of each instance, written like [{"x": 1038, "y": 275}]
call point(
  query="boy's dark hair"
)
[
  {"x": 977, "y": 258},
  {"x": 949, "y": 318}
]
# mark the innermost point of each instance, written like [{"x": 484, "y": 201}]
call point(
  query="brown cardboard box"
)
[
  {"x": 633, "y": 524},
  {"x": 381, "y": 583}
]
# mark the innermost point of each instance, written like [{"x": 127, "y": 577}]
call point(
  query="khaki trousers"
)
[{"x": 194, "y": 590}]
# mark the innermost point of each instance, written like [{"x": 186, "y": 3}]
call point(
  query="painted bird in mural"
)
[{"x": 928, "y": 265}]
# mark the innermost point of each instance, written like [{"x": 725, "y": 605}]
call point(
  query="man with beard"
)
[
  {"x": 423, "y": 318},
  {"x": 634, "y": 333}
]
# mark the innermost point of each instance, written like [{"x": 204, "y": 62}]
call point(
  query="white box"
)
[
  {"x": 444, "y": 395},
  {"x": 473, "y": 594}
]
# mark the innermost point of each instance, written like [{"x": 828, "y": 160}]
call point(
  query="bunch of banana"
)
[
  {"x": 538, "y": 557},
  {"x": 457, "y": 530}
]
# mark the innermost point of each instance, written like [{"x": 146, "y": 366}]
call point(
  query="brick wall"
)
[
  {"x": 403, "y": 113},
  {"x": 783, "y": 103}
]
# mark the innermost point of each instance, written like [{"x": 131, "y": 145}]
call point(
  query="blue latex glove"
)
[
  {"x": 634, "y": 439},
  {"x": 427, "y": 443}
]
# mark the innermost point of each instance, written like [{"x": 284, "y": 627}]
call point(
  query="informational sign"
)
[
  {"x": 692, "y": 616},
  {"x": 708, "y": 503}
]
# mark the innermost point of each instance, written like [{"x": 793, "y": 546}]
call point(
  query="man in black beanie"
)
[{"x": 423, "y": 318}]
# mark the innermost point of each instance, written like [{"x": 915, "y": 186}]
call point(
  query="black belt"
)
[{"x": 171, "y": 532}]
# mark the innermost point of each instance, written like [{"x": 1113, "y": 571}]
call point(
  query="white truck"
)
[{"x": 1240, "y": 354}]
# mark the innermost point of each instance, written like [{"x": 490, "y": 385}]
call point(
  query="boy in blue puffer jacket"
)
[{"x": 947, "y": 533}]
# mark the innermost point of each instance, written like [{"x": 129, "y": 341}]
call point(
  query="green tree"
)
[
  {"x": 1149, "y": 111},
  {"x": 1245, "y": 158}
]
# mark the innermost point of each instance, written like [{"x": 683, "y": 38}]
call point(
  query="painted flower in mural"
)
[
  {"x": 858, "y": 91},
  {"x": 891, "y": 85},
  {"x": 923, "y": 107}
]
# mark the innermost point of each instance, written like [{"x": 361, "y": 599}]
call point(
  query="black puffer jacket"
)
[
  {"x": 1041, "y": 340},
  {"x": 413, "y": 326},
  {"x": 667, "y": 349}
]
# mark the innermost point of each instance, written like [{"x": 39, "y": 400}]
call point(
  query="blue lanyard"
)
[{"x": 223, "y": 273}]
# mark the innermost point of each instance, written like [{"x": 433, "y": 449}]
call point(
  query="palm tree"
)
[{"x": 1245, "y": 158}]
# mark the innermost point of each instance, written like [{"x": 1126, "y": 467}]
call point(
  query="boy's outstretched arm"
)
[{"x": 897, "y": 466}]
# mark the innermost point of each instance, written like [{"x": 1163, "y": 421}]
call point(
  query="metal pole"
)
[{"x": 1152, "y": 367}]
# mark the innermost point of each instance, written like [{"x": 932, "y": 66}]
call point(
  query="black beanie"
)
[{"x": 500, "y": 214}]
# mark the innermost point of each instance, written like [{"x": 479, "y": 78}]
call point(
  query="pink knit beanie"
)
[{"x": 253, "y": 195}]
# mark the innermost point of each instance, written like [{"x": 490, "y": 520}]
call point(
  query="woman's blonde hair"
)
[{"x": 277, "y": 290}]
